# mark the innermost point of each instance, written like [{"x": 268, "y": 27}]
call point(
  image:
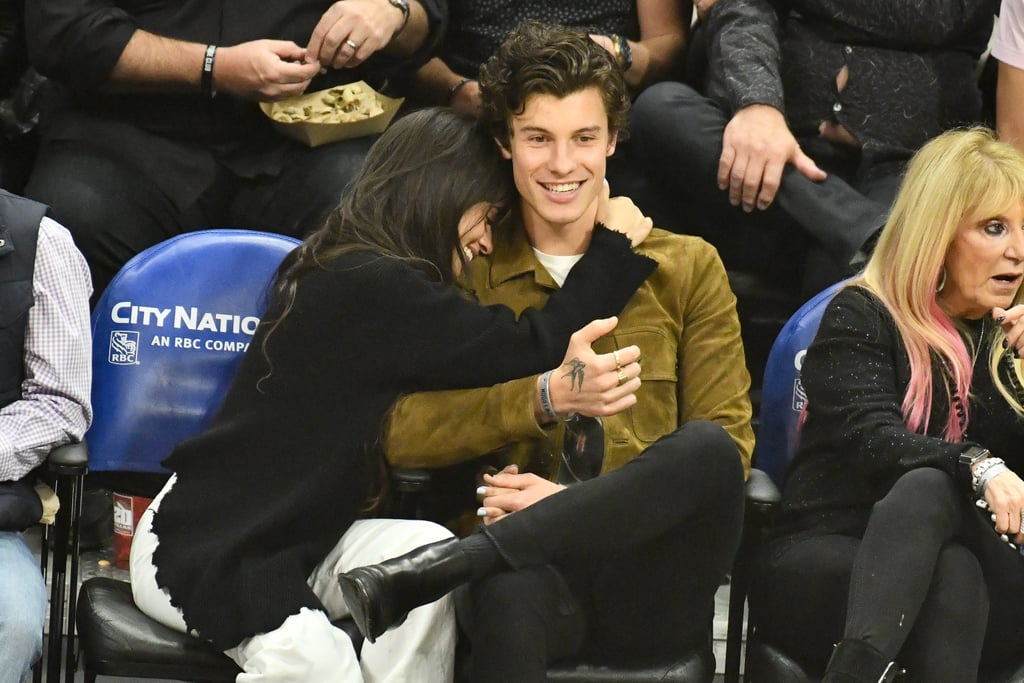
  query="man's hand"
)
[
  {"x": 594, "y": 384},
  {"x": 756, "y": 146},
  {"x": 369, "y": 24},
  {"x": 622, "y": 215},
  {"x": 264, "y": 70},
  {"x": 509, "y": 491}
]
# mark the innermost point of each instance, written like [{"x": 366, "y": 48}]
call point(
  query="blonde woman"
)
[{"x": 913, "y": 417}]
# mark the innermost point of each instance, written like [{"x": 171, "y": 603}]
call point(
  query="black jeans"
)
[
  {"x": 119, "y": 198},
  {"x": 619, "y": 568},
  {"x": 930, "y": 585},
  {"x": 676, "y": 140}
]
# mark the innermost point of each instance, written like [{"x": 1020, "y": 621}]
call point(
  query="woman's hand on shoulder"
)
[{"x": 622, "y": 215}]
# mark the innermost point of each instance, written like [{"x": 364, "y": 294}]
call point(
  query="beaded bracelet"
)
[
  {"x": 990, "y": 473},
  {"x": 978, "y": 474}
]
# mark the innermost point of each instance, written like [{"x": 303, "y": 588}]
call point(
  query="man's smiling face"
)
[{"x": 559, "y": 149}]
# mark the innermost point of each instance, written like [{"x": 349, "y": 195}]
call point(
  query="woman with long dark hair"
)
[{"x": 242, "y": 546}]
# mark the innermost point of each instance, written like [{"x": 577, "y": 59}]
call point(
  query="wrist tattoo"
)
[{"x": 575, "y": 374}]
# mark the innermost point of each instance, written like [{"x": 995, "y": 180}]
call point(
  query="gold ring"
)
[
  {"x": 352, "y": 44},
  {"x": 615, "y": 355},
  {"x": 622, "y": 377}
]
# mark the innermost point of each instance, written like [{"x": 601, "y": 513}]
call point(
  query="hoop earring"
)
[{"x": 942, "y": 280}]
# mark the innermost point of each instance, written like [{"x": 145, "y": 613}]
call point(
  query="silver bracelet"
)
[
  {"x": 545, "y": 397},
  {"x": 991, "y": 473},
  {"x": 978, "y": 479}
]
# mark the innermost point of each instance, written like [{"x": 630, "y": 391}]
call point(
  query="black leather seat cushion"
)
[
  {"x": 697, "y": 666},
  {"x": 119, "y": 640}
]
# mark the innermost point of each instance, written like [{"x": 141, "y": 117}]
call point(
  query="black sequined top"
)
[{"x": 854, "y": 444}]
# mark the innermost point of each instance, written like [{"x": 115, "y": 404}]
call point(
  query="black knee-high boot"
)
[
  {"x": 854, "y": 661},
  {"x": 380, "y": 596}
]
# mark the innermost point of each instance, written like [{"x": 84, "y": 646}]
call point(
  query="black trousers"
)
[
  {"x": 930, "y": 585},
  {"x": 619, "y": 568},
  {"x": 676, "y": 142},
  {"x": 126, "y": 190}
]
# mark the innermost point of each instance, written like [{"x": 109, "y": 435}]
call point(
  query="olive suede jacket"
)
[{"x": 684, "y": 320}]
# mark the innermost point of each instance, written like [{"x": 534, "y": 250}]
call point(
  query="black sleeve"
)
[
  {"x": 851, "y": 379},
  {"x": 744, "y": 55},
  {"x": 76, "y": 42},
  {"x": 435, "y": 338}
]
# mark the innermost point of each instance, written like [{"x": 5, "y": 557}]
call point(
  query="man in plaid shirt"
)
[{"x": 45, "y": 375}]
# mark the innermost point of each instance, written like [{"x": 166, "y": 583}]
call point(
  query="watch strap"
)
[{"x": 404, "y": 6}]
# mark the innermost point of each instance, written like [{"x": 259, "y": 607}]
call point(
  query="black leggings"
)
[
  {"x": 917, "y": 586},
  {"x": 621, "y": 567}
]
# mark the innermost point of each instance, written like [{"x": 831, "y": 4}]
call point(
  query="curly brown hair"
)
[{"x": 549, "y": 59}]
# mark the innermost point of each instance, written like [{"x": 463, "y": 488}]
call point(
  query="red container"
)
[{"x": 127, "y": 512}]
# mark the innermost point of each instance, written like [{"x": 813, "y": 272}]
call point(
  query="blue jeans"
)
[{"x": 22, "y": 608}]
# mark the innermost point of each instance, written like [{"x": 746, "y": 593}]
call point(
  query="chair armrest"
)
[
  {"x": 762, "y": 495},
  {"x": 410, "y": 479},
  {"x": 71, "y": 459},
  {"x": 409, "y": 484}
]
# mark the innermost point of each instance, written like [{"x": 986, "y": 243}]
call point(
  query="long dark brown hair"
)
[{"x": 418, "y": 179}]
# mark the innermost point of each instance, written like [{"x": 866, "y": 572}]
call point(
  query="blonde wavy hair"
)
[{"x": 961, "y": 174}]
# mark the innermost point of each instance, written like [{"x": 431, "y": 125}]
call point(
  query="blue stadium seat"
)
[
  {"x": 168, "y": 334},
  {"x": 782, "y": 397}
]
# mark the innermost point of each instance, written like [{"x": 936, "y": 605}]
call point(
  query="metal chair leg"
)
[
  {"x": 77, "y": 495},
  {"x": 57, "y": 587}
]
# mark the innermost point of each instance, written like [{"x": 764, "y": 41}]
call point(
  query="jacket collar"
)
[{"x": 513, "y": 256}]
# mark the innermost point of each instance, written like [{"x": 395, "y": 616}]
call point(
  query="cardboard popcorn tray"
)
[{"x": 314, "y": 134}]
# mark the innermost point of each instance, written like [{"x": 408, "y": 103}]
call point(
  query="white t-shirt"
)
[
  {"x": 1008, "y": 44},
  {"x": 559, "y": 266}
]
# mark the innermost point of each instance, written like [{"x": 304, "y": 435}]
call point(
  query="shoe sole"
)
[{"x": 357, "y": 600}]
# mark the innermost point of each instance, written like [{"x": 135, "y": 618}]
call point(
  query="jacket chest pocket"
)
[{"x": 656, "y": 412}]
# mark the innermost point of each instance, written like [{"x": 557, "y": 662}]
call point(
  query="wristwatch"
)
[
  {"x": 404, "y": 6},
  {"x": 971, "y": 457}
]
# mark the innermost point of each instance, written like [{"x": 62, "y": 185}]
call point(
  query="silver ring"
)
[
  {"x": 352, "y": 44},
  {"x": 618, "y": 364}
]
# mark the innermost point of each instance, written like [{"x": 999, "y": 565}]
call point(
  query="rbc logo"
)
[
  {"x": 124, "y": 347},
  {"x": 799, "y": 395}
]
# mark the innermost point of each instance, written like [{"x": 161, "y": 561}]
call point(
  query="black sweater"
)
[
  {"x": 283, "y": 470},
  {"x": 854, "y": 444}
]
